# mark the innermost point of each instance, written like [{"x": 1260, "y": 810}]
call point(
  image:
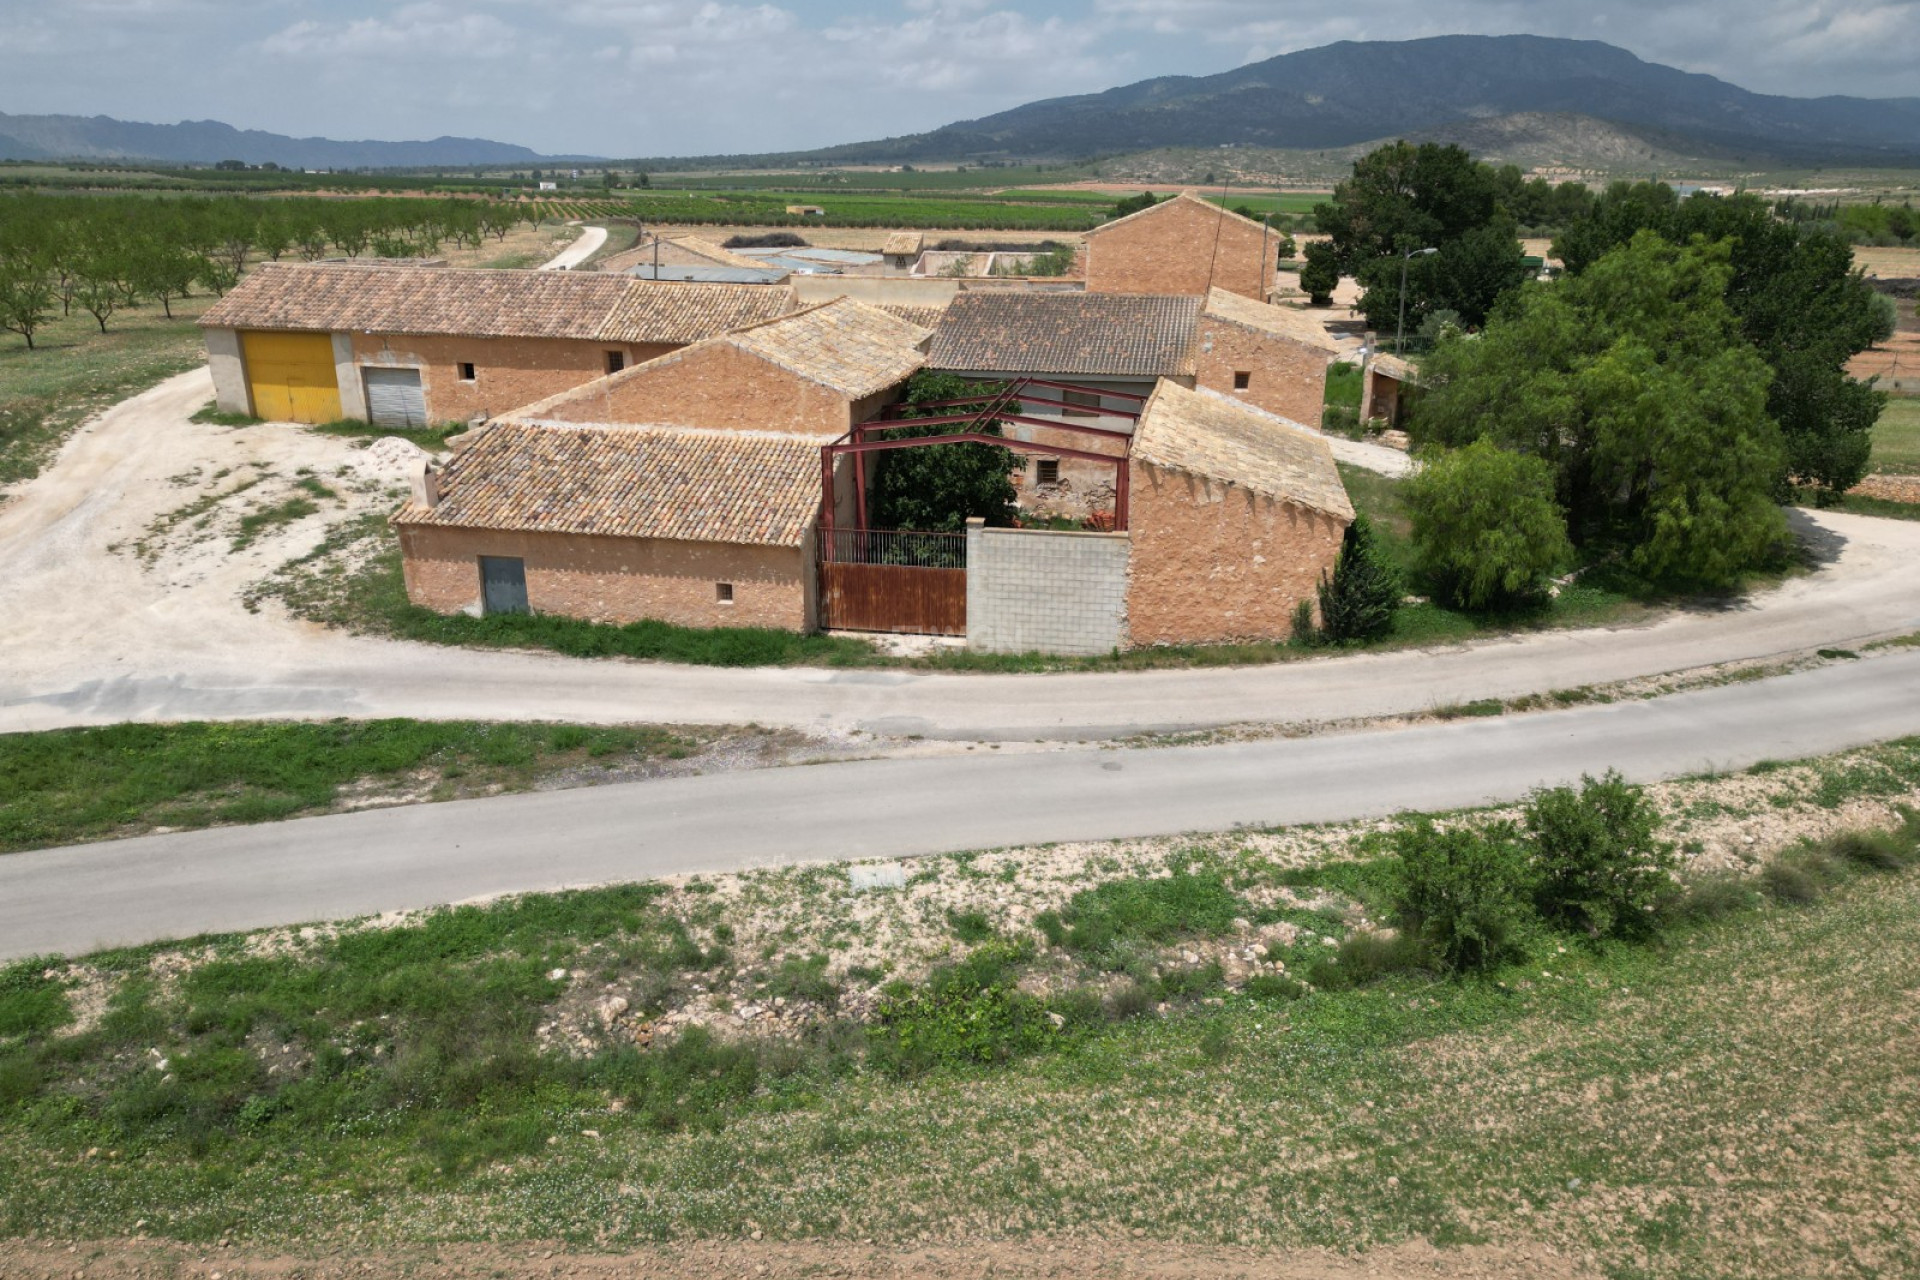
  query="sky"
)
[{"x": 630, "y": 78}]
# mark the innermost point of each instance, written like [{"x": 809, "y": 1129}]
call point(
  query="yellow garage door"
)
[{"x": 291, "y": 376}]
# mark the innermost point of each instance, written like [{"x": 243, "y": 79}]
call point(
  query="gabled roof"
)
[
  {"x": 1210, "y": 436},
  {"x": 927, "y": 317},
  {"x": 489, "y": 304},
  {"x": 1284, "y": 322},
  {"x": 755, "y": 488},
  {"x": 718, "y": 254},
  {"x": 1173, "y": 202},
  {"x": 845, "y": 345},
  {"x": 903, "y": 244},
  {"x": 1086, "y": 334}
]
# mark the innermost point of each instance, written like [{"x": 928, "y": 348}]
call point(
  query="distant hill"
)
[
  {"x": 209, "y": 142},
  {"x": 1352, "y": 92}
]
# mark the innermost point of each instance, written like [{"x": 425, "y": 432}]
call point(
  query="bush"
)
[
  {"x": 1364, "y": 957},
  {"x": 1321, "y": 274},
  {"x": 767, "y": 240},
  {"x": 1358, "y": 601},
  {"x": 1101, "y": 922},
  {"x": 1602, "y": 870},
  {"x": 1486, "y": 527},
  {"x": 1463, "y": 894}
]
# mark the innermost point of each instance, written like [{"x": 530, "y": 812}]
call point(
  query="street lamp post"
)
[{"x": 1400, "y": 334}]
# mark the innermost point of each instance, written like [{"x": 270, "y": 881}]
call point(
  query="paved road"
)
[
  {"x": 131, "y": 891},
  {"x": 591, "y": 238}
]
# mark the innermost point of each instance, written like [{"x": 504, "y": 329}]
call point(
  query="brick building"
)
[
  {"x": 1183, "y": 245},
  {"x": 1385, "y": 386},
  {"x": 816, "y": 371},
  {"x": 617, "y": 523},
  {"x": 407, "y": 346},
  {"x": 1123, "y": 345},
  {"x": 1235, "y": 515}
]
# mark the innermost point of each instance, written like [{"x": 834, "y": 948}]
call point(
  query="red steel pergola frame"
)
[{"x": 857, "y": 443}]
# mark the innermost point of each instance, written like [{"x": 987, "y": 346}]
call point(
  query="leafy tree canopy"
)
[
  {"x": 1799, "y": 301},
  {"x": 1403, "y": 197},
  {"x": 1486, "y": 525},
  {"x": 1635, "y": 384},
  {"x": 936, "y": 490}
]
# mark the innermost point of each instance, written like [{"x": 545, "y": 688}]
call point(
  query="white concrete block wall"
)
[
  {"x": 1038, "y": 591},
  {"x": 229, "y": 371}
]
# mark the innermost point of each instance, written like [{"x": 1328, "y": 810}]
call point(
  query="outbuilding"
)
[
  {"x": 408, "y": 346},
  {"x": 619, "y": 523}
]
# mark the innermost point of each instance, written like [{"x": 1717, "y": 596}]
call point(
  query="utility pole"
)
[{"x": 1400, "y": 334}]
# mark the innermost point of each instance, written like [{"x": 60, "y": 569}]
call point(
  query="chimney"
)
[{"x": 426, "y": 485}]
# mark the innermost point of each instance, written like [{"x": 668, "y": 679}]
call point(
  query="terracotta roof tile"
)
[
  {"x": 927, "y": 318},
  {"x": 903, "y": 244},
  {"x": 1084, "y": 334},
  {"x": 1208, "y": 435},
  {"x": 755, "y": 488},
  {"x": 849, "y": 346},
  {"x": 1284, "y": 322},
  {"x": 589, "y": 306}
]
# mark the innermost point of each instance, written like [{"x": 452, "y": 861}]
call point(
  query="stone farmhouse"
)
[
  {"x": 702, "y": 454},
  {"x": 1183, "y": 245},
  {"x": 408, "y": 346}
]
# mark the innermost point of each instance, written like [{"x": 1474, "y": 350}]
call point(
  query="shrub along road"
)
[{"x": 155, "y": 887}]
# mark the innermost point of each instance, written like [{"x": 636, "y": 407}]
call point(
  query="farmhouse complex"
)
[{"x": 706, "y": 452}]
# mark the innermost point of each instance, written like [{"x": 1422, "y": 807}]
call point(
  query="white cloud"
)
[{"x": 414, "y": 32}]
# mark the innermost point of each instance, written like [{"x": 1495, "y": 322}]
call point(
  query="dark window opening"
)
[
  {"x": 723, "y": 593},
  {"x": 1047, "y": 471},
  {"x": 1075, "y": 399},
  {"x": 467, "y": 371},
  {"x": 1241, "y": 381},
  {"x": 616, "y": 361}
]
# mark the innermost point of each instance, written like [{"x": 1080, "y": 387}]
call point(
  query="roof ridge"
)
[{"x": 1182, "y": 194}]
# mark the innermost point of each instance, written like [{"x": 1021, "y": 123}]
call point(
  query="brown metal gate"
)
[{"x": 875, "y": 580}]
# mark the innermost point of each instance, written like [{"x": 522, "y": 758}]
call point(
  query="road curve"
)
[
  {"x": 131, "y": 891},
  {"x": 591, "y": 238}
]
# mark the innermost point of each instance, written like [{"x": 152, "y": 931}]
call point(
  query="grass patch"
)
[
  {"x": 1856, "y": 504},
  {"x": 76, "y": 371},
  {"x": 265, "y": 520},
  {"x": 212, "y": 414},
  {"x": 69, "y": 785},
  {"x": 1896, "y": 438},
  {"x": 432, "y": 439}
]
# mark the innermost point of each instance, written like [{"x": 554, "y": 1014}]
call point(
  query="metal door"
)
[
  {"x": 290, "y": 376},
  {"x": 503, "y": 584},
  {"x": 394, "y": 398}
]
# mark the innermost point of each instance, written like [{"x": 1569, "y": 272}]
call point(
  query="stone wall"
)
[
  {"x": 718, "y": 386},
  {"x": 508, "y": 372},
  {"x": 1283, "y": 376},
  {"x": 229, "y": 371},
  {"x": 1033, "y": 590},
  {"x": 617, "y": 580},
  {"x": 1215, "y": 564},
  {"x": 1172, "y": 250}
]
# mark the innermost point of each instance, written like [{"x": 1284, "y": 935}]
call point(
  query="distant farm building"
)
[
  {"x": 1385, "y": 388},
  {"x": 1184, "y": 245},
  {"x": 407, "y": 346},
  {"x": 902, "y": 251}
]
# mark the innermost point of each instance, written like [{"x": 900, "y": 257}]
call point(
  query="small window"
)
[
  {"x": 1075, "y": 402},
  {"x": 723, "y": 593},
  {"x": 1241, "y": 381},
  {"x": 616, "y": 361},
  {"x": 467, "y": 371},
  {"x": 1047, "y": 471}
]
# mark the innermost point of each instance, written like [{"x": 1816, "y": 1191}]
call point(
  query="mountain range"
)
[
  {"x": 1352, "y": 92},
  {"x": 209, "y": 142}
]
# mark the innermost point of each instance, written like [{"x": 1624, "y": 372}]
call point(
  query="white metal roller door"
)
[{"x": 394, "y": 397}]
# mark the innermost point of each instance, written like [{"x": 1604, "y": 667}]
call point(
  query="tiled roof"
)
[
  {"x": 751, "y": 487},
  {"x": 1088, "y": 334},
  {"x": 849, "y": 346},
  {"x": 1211, "y": 436},
  {"x": 1173, "y": 202},
  {"x": 903, "y": 243},
  {"x": 927, "y": 318},
  {"x": 1393, "y": 367},
  {"x": 490, "y": 304},
  {"x": 1285, "y": 322}
]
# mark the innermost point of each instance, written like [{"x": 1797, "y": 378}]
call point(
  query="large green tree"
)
[
  {"x": 938, "y": 488},
  {"x": 1634, "y": 381},
  {"x": 1799, "y": 300},
  {"x": 1403, "y": 197}
]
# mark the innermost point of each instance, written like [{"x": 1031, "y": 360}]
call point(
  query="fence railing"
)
[{"x": 895, "y": 547}]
